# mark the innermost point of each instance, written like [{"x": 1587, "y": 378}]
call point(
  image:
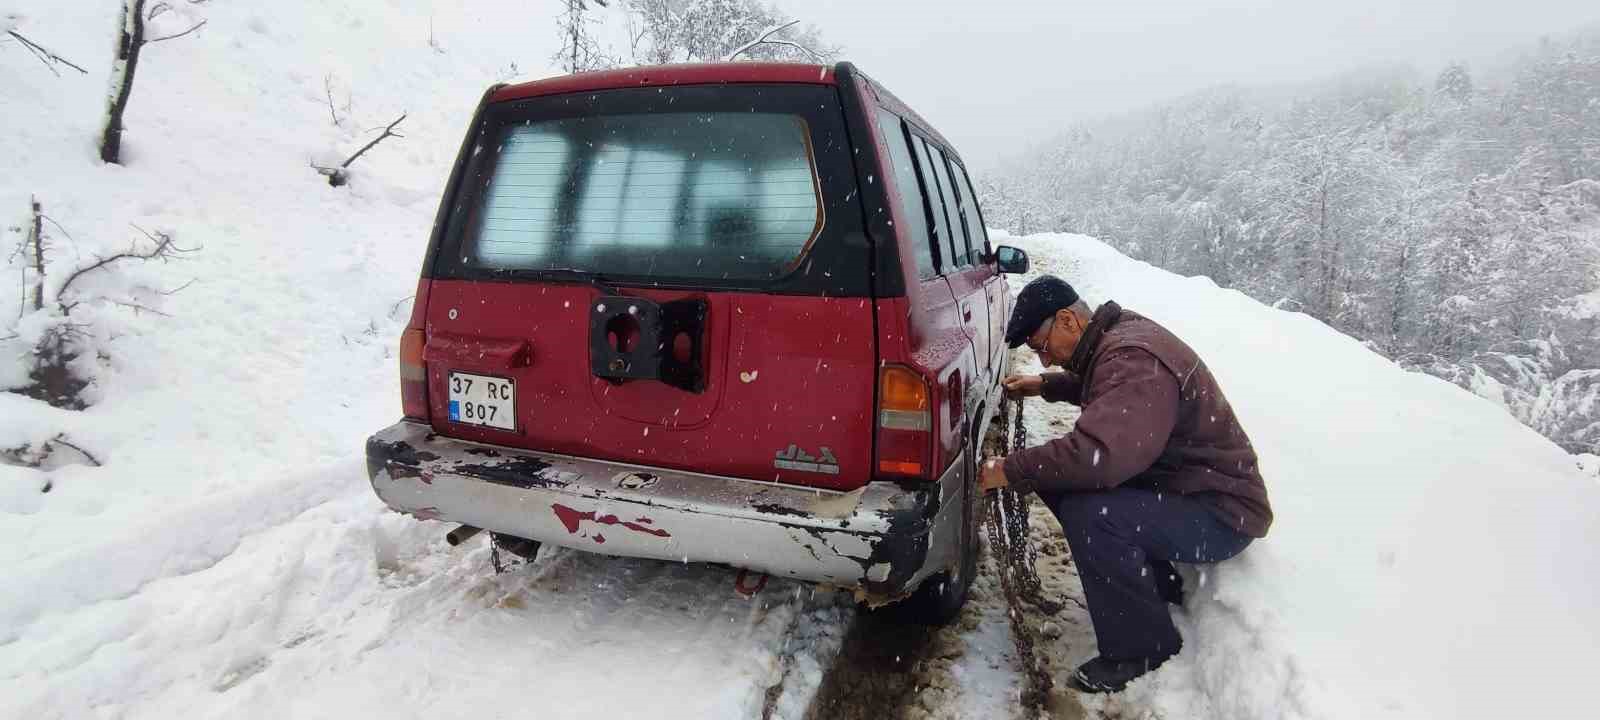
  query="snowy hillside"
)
[
  {"x": 1454, "y": 223},
  {"x": 279, "y": 352},
  {"x": 1431, "y": 557}
]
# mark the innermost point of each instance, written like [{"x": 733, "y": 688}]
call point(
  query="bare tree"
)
[
  {"x": 338, "y": 176},
  {"x": 35, "y": 240},
  {"x": 432, "y": 41},
  {"x": 664, "y": 31},
  {"x": 579, "y": 50},
  {"x": 52, "y": 376},
  {"x": 333, "y": 111},
  {"x": 130, "y": 40}
]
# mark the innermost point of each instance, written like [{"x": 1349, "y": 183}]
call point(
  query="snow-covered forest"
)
[
  {"x": 600, "y": 34},
  {"x": 1451, "y": 222}
]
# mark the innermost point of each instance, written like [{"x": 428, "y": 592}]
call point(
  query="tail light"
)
[
  {"x": 413, "y": 369},
  {"x": 413, "y": 374},
  {"x": 905, "y": 423}
]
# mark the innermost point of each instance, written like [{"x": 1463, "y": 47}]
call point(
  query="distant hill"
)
[{"x": 1451, "y": 222}]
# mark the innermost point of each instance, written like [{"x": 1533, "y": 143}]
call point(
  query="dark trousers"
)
[{"x": 1122, "y": 540}]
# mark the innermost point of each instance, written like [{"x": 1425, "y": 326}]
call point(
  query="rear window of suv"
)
[
  {"x": 731, "y": 192},
  {"x": 691, "y": 184}
]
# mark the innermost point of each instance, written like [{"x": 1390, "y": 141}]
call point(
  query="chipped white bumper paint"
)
[{"x": 881, "y": 537}]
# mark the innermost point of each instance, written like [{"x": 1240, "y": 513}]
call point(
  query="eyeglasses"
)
[{"x": 1038, "y": 348}]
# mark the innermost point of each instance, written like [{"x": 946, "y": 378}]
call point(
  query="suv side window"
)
[
  {"x": 971, "y": 213},
  {"x": 930, "y": 186},
  {"x": 960, "y": 247},
  {"x": 905, "y": 180}
]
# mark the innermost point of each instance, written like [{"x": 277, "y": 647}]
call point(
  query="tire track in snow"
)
[
  {"x": 892, "y": 670},
  {"x": 347, "y": 609},
  {"x": 184, "y": 540}
]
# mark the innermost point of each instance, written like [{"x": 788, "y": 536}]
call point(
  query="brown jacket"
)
[{"x": 1153, "y": 418}]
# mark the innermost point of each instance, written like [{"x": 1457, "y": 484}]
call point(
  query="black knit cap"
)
[{"x": 1038, "y": 300}]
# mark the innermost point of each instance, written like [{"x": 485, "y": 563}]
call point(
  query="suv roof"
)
[
  {"x": 662, "y": 75},
  {"x": 710, "y": 73}
]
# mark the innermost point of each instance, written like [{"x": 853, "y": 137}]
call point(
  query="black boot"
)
[
  {"x": 1169, "y": 584},
  {"x": 1102, "y": 675}
]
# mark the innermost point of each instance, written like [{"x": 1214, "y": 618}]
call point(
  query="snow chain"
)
[{"x": 1007, "y": 512}]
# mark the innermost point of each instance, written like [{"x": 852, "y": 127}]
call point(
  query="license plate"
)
[{"x": 483, "y": 400}]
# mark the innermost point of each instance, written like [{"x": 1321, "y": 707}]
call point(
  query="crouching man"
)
[{"x": 1156, "y": 470}]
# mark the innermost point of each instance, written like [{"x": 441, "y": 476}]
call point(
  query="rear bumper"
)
[{"x": 882, "y": 538}]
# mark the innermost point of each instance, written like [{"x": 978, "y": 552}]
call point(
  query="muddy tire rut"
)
[{"x": 890, "y": 670}]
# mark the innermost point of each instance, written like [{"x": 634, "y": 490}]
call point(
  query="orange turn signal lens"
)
[
  {"x": 903, "y": 389},
  {"x": 413, "y": 374},
  {"x": 903, "y": 400},
  {"x": 411, "y": 346}
]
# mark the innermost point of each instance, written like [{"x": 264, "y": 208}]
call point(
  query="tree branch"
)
[
  {"x": 327, "y": 86},
  {"x": 36, "y": 238},
  {"x": 136, "y": 307},
  {"x": 793, "y": 44},
  {"x": 197, "y": 26},
  {"x": 62, "y": 439},
  {"x": 57, "y": 225},
  {"x": 387, "y": 132},
  {"x": 759, "y": 40},
  {"x": 45, "y": 56},
  {"x": 176, "y": 290},
  {"x": 164, "y": 248},
  {"x": 396, "y": 306},
  {"x": 338, "y": 176},
  {"x": 432, "y": 42}
]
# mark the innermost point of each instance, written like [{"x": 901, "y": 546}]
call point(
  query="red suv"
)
[{"x": 742, "y": 313}]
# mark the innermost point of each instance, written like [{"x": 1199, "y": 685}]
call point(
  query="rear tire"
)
[{"x": 939, "y": 599}]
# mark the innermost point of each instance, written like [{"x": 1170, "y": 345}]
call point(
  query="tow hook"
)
[{"x": 748, "y": 583}]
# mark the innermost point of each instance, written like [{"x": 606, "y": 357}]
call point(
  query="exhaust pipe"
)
[{"x": 461, "y": 534}]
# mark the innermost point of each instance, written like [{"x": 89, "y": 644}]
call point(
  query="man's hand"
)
[
  {"x": 1021, "y": 386},
  {"x": 992, "y": 475}
]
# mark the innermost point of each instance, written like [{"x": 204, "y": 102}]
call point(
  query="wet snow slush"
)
[{"x": 989, "y": 663}]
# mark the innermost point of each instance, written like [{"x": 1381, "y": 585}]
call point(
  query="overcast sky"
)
[{"x": 997, "y": 75}]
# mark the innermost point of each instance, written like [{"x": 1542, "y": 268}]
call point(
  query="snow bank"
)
[
  {"x": 1431, "y": 556},
  {"x": 277, "y": 355}
]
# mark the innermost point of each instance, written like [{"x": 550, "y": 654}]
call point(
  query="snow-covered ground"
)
[
  {"x": 1431, "y": 556},
  {"x": 348, "y": 611}
]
